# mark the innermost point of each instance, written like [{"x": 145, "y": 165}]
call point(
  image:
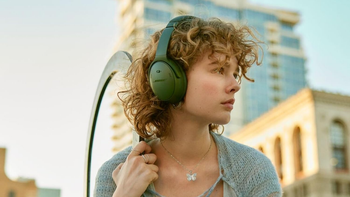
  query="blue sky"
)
[{"x": 52, "y": 54}]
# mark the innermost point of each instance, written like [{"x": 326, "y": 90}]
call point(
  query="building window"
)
[
  {"x": 274, "y": 59},
  {"x": 290, "y": 42},
  {"x": 229, "y": 13},
  {"x": 301, "y": 191},
  {"x": 338, "y": 137},
  {"x": 297, "y": 149},
  {"x": 160, "y": 2},
  {"x": 157, "y": 15},
  {"x": 11, "y": 194},
  {"x": 287, "y": 27},
  {"x": 252, "y": 15},
  {"x": 336, "y": 187},
  {"x": 276, "y": 87},
  {"x": 278, "y": 158},
  {"x": 276, "y": 99},
  {"x": 296, "y": 192},
  {"x": 305, "y": 190},
  {"x": 149, "y": 32}
]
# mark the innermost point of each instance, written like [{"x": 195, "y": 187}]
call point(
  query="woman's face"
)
[{"x": 211, "y": 89}]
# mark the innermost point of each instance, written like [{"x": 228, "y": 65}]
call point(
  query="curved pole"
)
[{"x": 119, "y": 62}]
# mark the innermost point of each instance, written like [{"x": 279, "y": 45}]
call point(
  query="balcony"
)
[
  {"x": 272, "y": 26},
  {"x": 288, "y": 17},
  {"x": 273, "y": 37}
]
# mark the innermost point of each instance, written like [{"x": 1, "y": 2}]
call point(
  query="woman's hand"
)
[{"x": 133, "y": 177}]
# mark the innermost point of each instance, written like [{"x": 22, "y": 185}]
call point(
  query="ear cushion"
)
[{"x": 168, "y": 80}]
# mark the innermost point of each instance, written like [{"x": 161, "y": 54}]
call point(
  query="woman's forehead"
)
[
  {"x": 216, "y": 58},
  {"x": 221, "y": 57}
]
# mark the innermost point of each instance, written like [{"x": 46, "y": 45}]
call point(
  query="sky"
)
[{"x": 52, "y": 54}]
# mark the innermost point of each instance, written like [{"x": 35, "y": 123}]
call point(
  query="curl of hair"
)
[{"x": 190, "y": 39}]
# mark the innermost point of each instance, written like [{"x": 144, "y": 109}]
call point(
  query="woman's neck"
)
[{"x": 189, "y": 140}]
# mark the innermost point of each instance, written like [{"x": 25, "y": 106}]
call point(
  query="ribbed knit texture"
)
[{"x": 247, "y": 171}]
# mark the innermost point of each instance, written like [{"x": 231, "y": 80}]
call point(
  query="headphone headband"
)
[{"x": 166, "y": 35}]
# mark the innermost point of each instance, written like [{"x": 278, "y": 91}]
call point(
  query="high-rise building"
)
[
  {"x": 122, "y": 136},
  {"x": 307, "y": 139},
  {"x": 282, "y": 73}
]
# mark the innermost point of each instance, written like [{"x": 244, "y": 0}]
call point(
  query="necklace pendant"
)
[{"x": 191, "y": 177}]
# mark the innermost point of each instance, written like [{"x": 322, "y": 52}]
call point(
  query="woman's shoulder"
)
[
  {"x": 244, "y": 157},
  {"x": 234, "y": 150},
  {"x": 104, "y": 185},
  {"x": 241, "y": 164},
  {"x": 113, "y": 162}
]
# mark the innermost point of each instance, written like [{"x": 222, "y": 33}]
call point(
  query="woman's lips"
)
[{"x": 229, "y": 103}]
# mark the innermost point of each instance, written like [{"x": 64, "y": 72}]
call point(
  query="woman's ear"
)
[{"x": 177, "y": 105}]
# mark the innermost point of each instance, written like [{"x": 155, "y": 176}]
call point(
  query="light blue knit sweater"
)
[{"x": 247, "y": 171}]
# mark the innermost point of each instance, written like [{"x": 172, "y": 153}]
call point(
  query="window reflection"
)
[
  {"x": 278, "y": 158},
  {"x": 298, "y": 157},
  {"x": 337, "y": 135}
]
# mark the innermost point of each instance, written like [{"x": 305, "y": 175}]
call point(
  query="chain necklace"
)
[{"x": 190, "y": 175}]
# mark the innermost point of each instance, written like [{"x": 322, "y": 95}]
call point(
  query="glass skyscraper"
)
[{"x": 282, "y": 72}]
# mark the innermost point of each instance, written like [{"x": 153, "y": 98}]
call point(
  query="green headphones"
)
[{"x": 167, "y": 78}]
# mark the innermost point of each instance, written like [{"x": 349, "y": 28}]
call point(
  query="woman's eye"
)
[
  {"x": 237, "y": 77},
  {"x": 220, "y": 70}
]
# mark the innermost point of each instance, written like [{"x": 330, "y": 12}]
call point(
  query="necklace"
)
[{"x": 190, "y": 175}]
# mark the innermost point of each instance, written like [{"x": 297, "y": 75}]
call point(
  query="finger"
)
[
  {"x": 150, "y": 158},
  {"x": 140, "y": 148},
  {"x": 144, "y": 158},
  {"x": 154, "y": 176},
  {"x": 153, "y": 167},
  {"x": 138, "y": 152},
  {"x": 118, "y": 168},
  {"x": 150, "y": 173},
  {"x": 116, "y": 171}
]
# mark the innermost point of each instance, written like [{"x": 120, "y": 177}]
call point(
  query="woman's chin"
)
[{"x": 223, "y": 121}]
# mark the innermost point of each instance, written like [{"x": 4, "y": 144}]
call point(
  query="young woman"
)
[{"x": 185, "y": 154}]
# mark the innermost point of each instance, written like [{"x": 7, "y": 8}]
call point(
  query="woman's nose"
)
[{"x": 233, "y": 85}]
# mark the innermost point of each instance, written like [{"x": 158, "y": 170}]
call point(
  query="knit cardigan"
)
[{"x": 246, "y": 170}]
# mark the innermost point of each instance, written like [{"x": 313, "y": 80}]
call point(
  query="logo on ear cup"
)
[{"x": 159, "y": 80}]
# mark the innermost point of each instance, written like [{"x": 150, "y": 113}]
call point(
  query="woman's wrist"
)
[{"x": 118, "y": 193}]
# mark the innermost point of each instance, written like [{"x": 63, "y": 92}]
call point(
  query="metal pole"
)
[{"x": 119, "y": 62}]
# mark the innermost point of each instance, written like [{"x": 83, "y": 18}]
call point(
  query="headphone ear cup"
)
[{"x": 167, "y": 80}]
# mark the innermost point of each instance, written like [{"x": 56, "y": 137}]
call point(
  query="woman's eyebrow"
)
[
  {"x": 214, "y": 62},
  {"x": 228, "y": 65}
]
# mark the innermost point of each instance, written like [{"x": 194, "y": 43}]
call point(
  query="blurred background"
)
[{"x": 52, "y": 54}]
